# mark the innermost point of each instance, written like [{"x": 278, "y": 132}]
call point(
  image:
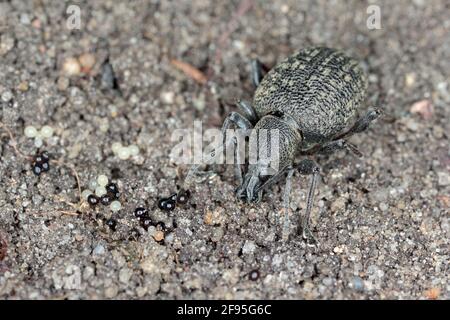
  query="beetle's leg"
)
[
  {"x": 273, "y": 179},
  {"x": 237, "y": 159},
  {"x": 333, "y": 146},
  {"x": 257, "y": 71},
  {"x": 233, "y": 118},
  {"x": 361, "y": 124},
  {"x": 243, "y": 123},
  {"x": 309, "y": 167},
  {"x": 195, "y": 172},
  {"x": 287, "y": 191},
  {"x": 248, "y": 110}
]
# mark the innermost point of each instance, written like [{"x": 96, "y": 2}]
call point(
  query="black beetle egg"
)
[
  {"x": 39, "y": 159},
  {"x": 37, "y": 169},
  {"x": 105, "y": 199},
  {"x": 146, "y": 222},
  {"x": 45, "y": 166},
  {"x": 173, "y": 197},
  {"x": 111, "y": 223},
  {"x": 161, "y": 203},
  {"x": 183, "y": 197},
  {"x": 45, "y": 155},
  {"x": 112, "y": 188},
  {"x": 115, "y": 195},
  {"x": 93, "y": 199},
  {"x": 140, "y": 212},
  {"x": 169, "y": 205},
  {"x": 253, "y": 275}
]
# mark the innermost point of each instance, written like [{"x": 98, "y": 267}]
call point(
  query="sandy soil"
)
[{"x": 382, "y": 221}]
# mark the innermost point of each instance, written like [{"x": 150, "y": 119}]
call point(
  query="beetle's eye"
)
[
  {"x": 276, "y": 113},
  {"x": 183, "y": 196}
]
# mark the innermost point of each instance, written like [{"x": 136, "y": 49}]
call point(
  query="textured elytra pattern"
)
[{"x": 321, "y": 88}]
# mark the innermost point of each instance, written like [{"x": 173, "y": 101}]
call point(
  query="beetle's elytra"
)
[
  {"x": 311, "y": 98},
  {"x": 320, "y": 88}
]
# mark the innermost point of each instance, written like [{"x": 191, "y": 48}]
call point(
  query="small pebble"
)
[
  {"x": 168, "y": 97},
  {"x": 357, "y": 284},
  {"x": 108, "y": 78},
  {"x": 253, "y": 275},
  {"x": 424, "y": 108},
  {"x": 30, "y": 132},
  {"x": 62, "y": 83},
  {"x": 99, "y": 250},
  {"x": 134, "y": 234},
  {"x": 384, "y": 206},
  {"x": 102, "y": 180},
  {"x": 115, "y": 206},
  {"x": 71, "y": 67},
  {"x": 410, "y": 79},
  {"x": 443, "y": 178},
  {"x": 87, "y": 61},
  {"x": 23, "y": 86},
  {"x": 7, "y": 96},
  {"x": 159, "y": 236},
  {"x": 104, "y": 126}
]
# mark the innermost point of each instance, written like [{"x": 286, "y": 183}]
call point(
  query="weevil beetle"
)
[{"x": 312, "y": 98}]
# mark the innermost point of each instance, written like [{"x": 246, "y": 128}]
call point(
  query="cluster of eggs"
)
[
  {"x": 41, "y": 163},
  {"x": 146, "y": 222},
  {"x": 168, "y": 204},
  {"x": 39, "y": 135},
  {"x": 101, "y": 191},
  {"x": 124, "y": 152}
]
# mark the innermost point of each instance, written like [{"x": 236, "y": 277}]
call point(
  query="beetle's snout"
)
[{"x": 249, "y": 191}]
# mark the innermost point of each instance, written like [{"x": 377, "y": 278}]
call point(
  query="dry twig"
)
[{"x": 190, "y": 71}]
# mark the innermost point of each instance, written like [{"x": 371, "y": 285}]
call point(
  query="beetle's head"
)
[
  {"x": 250, "y": 190},
  {"x": 273, "y": 145}
]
